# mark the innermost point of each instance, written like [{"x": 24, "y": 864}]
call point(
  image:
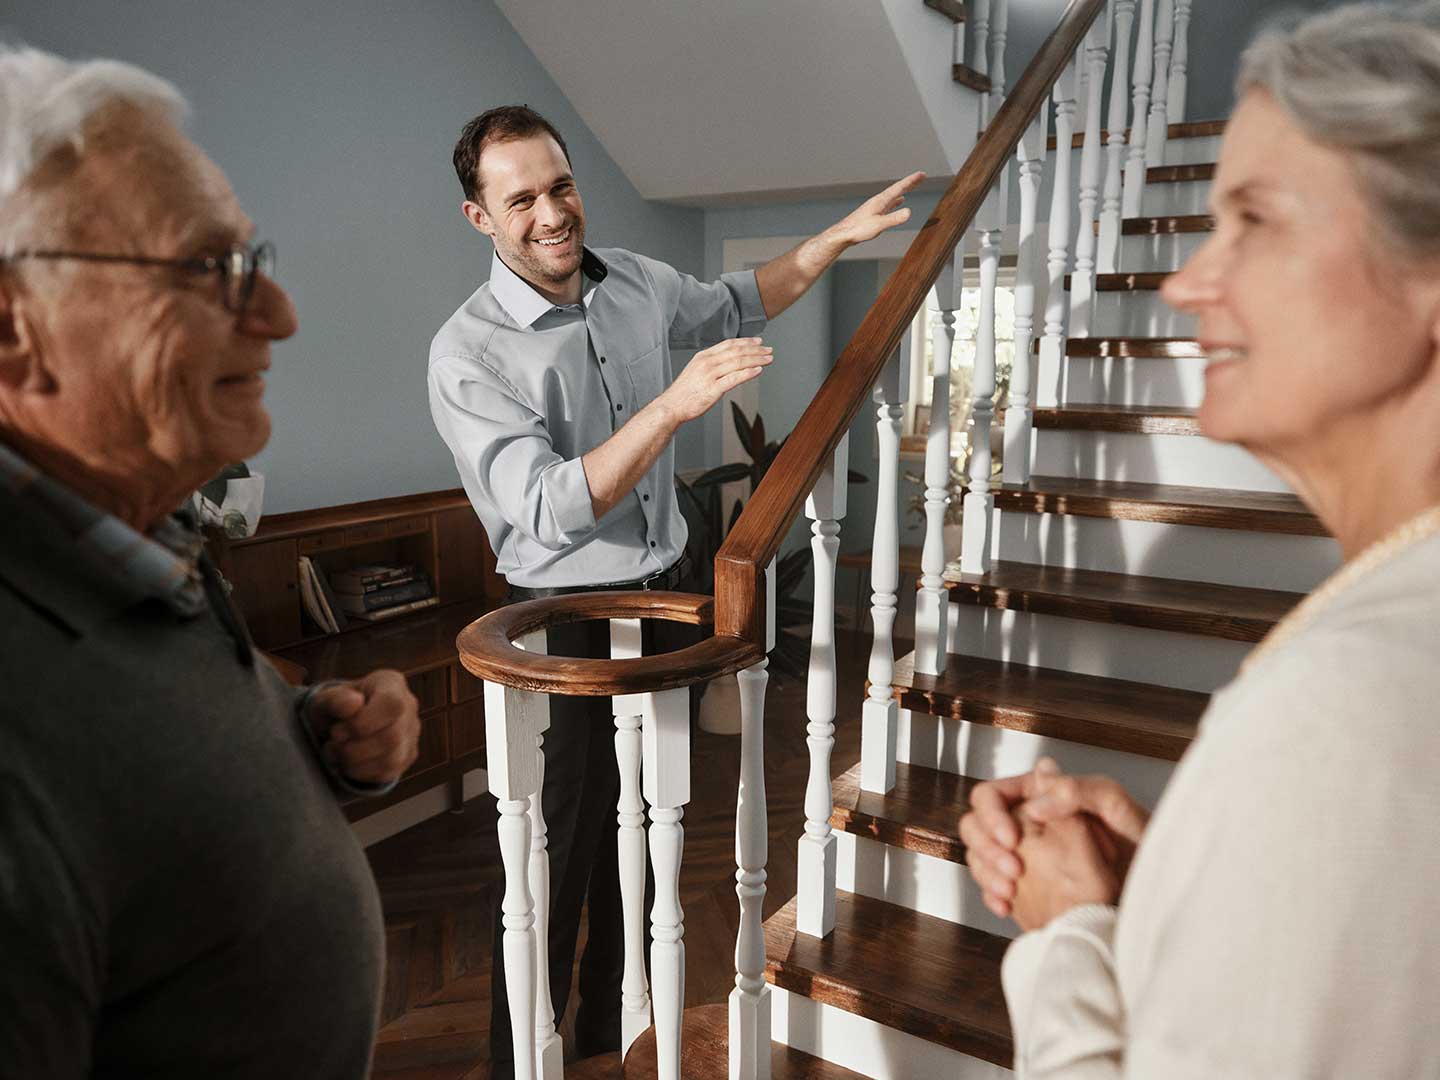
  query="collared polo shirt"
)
[{"x": 522, "y": 389}]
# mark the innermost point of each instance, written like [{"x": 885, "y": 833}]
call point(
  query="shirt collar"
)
[{"x": 519, "y": 298}]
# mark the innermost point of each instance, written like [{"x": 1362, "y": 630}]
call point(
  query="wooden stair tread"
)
[
  {"x": 925, "y": 976},
  {"x": 1131, "y": 419},
  {"x": 1112, "y": 714},
  {"x": 1165, "y": 225},
  {"x": 921, "y": 813},
  {"x": 1138, "y": 348},
  {"x": 1141, "y": 282},
  {"x": 968, "y": 76},
  {"x": 1179, "y": 174},
  {"x": 1175, "y": 504},
  {"x": 704, "y": 1055},
  {"x": 1232, "y": 612},
  {"x": 953, "y": 10},
  {"x": 1188, "y": 129}
]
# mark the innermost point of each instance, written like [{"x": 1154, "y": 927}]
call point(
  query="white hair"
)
[
  {"x": 1365, "y": 80},
  {"x": 46, "y": 103}
]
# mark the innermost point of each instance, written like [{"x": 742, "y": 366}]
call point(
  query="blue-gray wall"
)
[{"x": 335, "y": 125}]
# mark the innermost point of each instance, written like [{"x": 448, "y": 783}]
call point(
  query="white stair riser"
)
[
  {"x": 1161, "y": 199},
  {"x": 1167, "y": 251},
  {"x": 1187, "y": 661},
  {"x": 1150, "y": 459},
  {"x": 866, "y": 1047},
  {"x": 1192, "y": 151},
  {"x": 921, "y": 883},
  {"x": 1128, "y": 381},
  {"x": 1139, "y": 314},
  {"x": 1153, "y": 549}
]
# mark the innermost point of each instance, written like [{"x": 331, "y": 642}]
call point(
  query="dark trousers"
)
[{"x": 580, "y": 798}]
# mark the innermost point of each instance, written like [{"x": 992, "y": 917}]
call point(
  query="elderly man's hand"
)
[
  {"x": 371, "y": 726},
  {"x": 991, "y": 831},
  {"x": 877, "y": 213},
  {"x": 1065, "y": 867}
]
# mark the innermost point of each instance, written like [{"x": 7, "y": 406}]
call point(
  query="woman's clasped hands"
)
[{"x": 1044, "y": 842}]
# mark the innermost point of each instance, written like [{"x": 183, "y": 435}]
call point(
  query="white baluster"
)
[
  {"x": 878, "y": 715},
  {"x": 549, "y": 1051},
  {"x": 1107, "y": 258},
  {"x": 665, "y": 735},
  {"x": 750, "y": 1000},
  {"x": 1019, "y": 417},
  {"x": 625, "y": 643},
  {"x": 999, "y": 32},
  {"x": 980, "y": 21},
  {"x": 932, "y": 601},
  {"x": 511, "y": 723},
  {"x": 1082, "y": 281},
  {"x": 1179, "y": 64},
  {"x": 1160, "y": 87},
  {"x": 1052, "y": 370},
  {"x": 1139, "y": 124},
  {"x": 979, "y": 503},
  {"x": 815, "y": 863}
]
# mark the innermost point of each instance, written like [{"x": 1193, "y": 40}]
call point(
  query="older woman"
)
[{"x": 1278, "y": 917}]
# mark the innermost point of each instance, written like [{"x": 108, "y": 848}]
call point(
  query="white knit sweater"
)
[{"x": 1280, "y": 919}]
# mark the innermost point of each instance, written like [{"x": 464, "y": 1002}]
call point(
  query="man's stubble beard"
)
[{"x": 532, "y": 267}]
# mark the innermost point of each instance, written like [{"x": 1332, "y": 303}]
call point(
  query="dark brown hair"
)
[{"x": 501, "y": 124}]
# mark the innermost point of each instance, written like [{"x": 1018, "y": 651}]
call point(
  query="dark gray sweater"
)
[{"x": 180, "y": 895}]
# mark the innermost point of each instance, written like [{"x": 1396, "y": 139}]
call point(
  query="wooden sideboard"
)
[{"x": 439, "y": 532}]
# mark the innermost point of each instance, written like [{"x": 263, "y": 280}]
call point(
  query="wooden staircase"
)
[{"x": 908, "y": 983}]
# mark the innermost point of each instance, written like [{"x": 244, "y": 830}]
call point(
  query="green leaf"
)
[
  {"x": 757, "y": 439},
  {"x": 855, "y": 476},
  {"x": 723, "y": 474}
]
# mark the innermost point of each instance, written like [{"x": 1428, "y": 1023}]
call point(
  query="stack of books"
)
[
  {"x": 376, "y": 591},
  {"x": 368, "y": 593}
]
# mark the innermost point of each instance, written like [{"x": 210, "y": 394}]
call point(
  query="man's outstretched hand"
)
[
  {"x": 877, "y": 213},
  {"x": 991, "y": 830},
  {"x": 713, "y": 373}
]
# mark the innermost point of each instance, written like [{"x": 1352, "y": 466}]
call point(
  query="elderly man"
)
[
  {"x": 180, "y": 895},
  {"x": 553, "y": 386}
]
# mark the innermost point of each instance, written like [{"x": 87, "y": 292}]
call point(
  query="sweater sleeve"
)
[{"x": 1064, "y": 1000}]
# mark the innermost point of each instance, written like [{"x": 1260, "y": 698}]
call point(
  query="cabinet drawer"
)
[
  {"x": 363, "y": 534},
  {"x": 464, "y": 686},
  {"x": 467, "y": 729},
  {"x": 408, "y": 526},
  {"x": 434, "y": 747},
  {"x": 428, "y": 688},
  {"x": 327, "y": 541}
]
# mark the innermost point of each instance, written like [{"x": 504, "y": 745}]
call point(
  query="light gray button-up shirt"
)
[{"x": 521, "y": 389}]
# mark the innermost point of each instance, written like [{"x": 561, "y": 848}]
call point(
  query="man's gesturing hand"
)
[
  {"x": 371, "y": 726},
  {"x": 714, "y": 372},
  {"x": 877, "y": 213}
]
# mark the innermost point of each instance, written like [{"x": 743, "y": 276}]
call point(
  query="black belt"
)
[{"x": 670, "y": 578}]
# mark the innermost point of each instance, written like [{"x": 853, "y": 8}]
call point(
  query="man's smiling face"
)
[{"x": 530, "y": 207}]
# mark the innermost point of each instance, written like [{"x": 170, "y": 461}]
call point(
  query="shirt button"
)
[
  {"x": 644, "y": 498},
  {"x": 619, "y": 407},
  {"x": 652, "y": 543},
  {"x": 602, "y": 359}
]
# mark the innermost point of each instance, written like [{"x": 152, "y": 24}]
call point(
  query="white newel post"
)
[
  {"x": 750, "y": 1000},
  {"x": 815, "y": 864},
  {"x": 1179, "y": 64},
  {"x": 549, "y": 1051},
  {"x": 1019, "y": 417},
  {"x": 1160, "y": 87},
  {"x": 1082, "y": 281},
  {"x": 1052, "y": 345},
  {"x": 932, "y": 601},
  {"x": 1107, "y": 258},
  {"x": 511, "y": 726},
  {"x": 979, "y": 504},
  {"x": 625, "y": 644},
  {"x": 1139, "y": 124},
  {"x": 665, "y": 735},
  {"x": 878, "y": 715}
]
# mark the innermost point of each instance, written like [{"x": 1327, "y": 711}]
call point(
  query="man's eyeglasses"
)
[{"x": 237, "y": 267}]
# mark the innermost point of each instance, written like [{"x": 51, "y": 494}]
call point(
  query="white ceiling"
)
[{"x": 730, "y": 100}]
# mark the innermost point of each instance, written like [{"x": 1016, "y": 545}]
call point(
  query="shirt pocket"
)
[{"x": 647, "y": 375}]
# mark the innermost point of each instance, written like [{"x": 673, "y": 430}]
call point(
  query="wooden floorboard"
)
[{"x": 440, "y": 880}]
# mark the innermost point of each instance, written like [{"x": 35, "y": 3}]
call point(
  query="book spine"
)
[
  {"x": 350, "y": 588},
  {"x": 414, "y": 590},
  {"x": 328, "y": 600},
  {"x": 398, "y": 609}
]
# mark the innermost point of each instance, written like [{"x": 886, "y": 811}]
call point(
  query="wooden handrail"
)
[{"x": 756, "y": 537}]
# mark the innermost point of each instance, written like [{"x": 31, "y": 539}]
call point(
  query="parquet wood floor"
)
[{"x": 439, "y": 881}]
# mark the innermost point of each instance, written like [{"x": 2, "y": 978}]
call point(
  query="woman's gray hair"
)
[
  {"x": 1365, "y": 80},
  {"x": 46, "y": 102}
]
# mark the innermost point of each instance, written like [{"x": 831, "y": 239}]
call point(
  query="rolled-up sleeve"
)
[
  {"x": 506, "y": 458},
  {"x": 703, "y": 314}
]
